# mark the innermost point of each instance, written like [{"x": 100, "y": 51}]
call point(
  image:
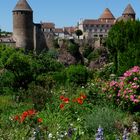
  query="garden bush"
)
[
  {"x": 77, "y": 75},
  {"x": 125, "y": 92}
]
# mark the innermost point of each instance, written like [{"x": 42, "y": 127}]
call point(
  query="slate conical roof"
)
[
  {"x": 107, "y": 14},
  {"x": 22, "y": 5},
  {"x": 129, "y": 10}
]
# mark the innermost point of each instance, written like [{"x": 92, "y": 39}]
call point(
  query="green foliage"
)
[
  {"x": 73, "y": 48},
  {"x": 87, "y": 51},
  {"x": 106, "y": 72},
  {"x": 106, "y": 117},
  {"x": 77, "y": 75},
  {"x": 6, "y": 82},
  {"x": 123, "y": 43},
  {"x": 78, "y": 32}
]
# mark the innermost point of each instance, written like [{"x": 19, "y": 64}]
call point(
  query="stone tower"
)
[
  {"x": 129, "y": 13},
  {"x": 23, "y": 25}
]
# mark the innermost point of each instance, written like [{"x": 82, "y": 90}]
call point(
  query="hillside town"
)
[{"x": 36, "y": 34}]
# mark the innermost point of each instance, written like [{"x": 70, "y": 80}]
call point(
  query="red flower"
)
[
  {"x": 25, "y": 113},
  {"x": 82, "y": 96},
  {"x": 22, "y": 119},
  {"x": 16, "y": 118},
  {"x": 66, "y": 100},
  {"x": 79, "y": 101},
  {"x": 39, "y": 120},
  {"x": 62, "y": 97},
  {"x": 61, "y": 106},
  {"x": 31, "y": 112}
]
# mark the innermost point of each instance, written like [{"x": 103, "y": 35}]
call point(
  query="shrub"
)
[
  {"x": 105, "y": 116},
  {"x": 125, "y": 92},
  {"x": 73, "y": 48},
  {"x": 6, "y": 82},
  {"x": 39, "y": 95},
  {"x": 77, "y": 75}
]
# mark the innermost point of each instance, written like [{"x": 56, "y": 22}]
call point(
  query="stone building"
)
[
  {"x": 23, "y": 25},
  {"x": 98, "y": 28},
  {"x": 26, "y": 33},
  {"x": 39, "y": 36},
  {"x": 128, "y": 14}
]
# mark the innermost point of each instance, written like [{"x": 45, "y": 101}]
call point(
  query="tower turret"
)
[
  {"x": 129, "y": 13},
  {"x": 23, "y": 25}
]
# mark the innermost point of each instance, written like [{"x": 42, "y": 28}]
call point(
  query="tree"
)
[
  {"x": 78, "y": 33},
  {"x": 123, "y": 43}
]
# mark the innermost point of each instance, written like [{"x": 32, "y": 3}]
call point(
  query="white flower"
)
[
  {"x": 50, "y": 135},
  {"x": 65, "y": 133},
  {"x": 71, "y": 124},
  {"x": 61, "y": 136},
  {"x": 78, "y": 119}
]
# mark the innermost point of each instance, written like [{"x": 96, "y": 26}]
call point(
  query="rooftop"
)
[
  {"x": 22, "y": 5},
  {"x": 97, "y": 22},
  {"x": 107, "y": 14},
  {"x": 129, "y": 10}
]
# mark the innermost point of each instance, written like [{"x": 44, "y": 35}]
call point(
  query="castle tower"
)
[
  {"x": 23, "y": 25},
  {"x": 129, "y": 13},
  {"x": 106, "y": 15}
]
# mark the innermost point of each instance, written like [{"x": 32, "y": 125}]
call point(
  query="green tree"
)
[
  {"x": 123, "y": 43},
  {"x": 78, "y": 33}
]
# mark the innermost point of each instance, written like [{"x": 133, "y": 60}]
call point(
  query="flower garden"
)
[
  {"x": 43, "y": 99},
  {"x": 99, "y": 109}
]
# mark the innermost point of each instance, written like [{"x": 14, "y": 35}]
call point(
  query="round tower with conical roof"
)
[
  {"x": 23, "y": 25},
  {"x": 129, "y": 13}
]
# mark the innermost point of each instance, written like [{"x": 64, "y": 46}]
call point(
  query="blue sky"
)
[{"x": 65, "y": 12}]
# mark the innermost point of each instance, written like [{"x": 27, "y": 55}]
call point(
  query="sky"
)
[{"x": 65, "y": 12}]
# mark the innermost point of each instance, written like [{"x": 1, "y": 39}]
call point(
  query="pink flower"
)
[
  {"x": 135, "y": 79},
  {"x": 135, "y": 100},
  {"x": 119, "y": 95},
  {"x": 126, "y": 97},
  {"x": 127, "y": 73},
  {"x": 135, "y": 69},
  {"x": 132, "y": 97},
  {"x": 113, "y": 83}
]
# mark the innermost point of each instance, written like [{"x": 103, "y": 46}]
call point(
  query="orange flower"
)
[
  {"x": 31, "y": 112},
  {"x": 39, "y": 120},
  {"x": 61, "y": 106},
  {"x": 79, "y": 101}
]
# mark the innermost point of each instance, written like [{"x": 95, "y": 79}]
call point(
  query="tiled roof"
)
[
  {"x": 129, "y": 10},
  {"x": 97, "y": 22},
  {"x": 69, "y": 29},
  {"x": 107, "y": 14},
  {"x": 59, "y": 30},
  {"x": 48, "y": 25},
  {"x": 22, "y": 5}
]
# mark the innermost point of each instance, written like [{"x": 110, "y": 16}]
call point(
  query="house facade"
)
[{"x": 99, "y": 28}]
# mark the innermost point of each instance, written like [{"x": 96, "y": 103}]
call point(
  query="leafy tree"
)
[
  {"x": 78, "y": 33},
  {"x": 123, "y": 43}
]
